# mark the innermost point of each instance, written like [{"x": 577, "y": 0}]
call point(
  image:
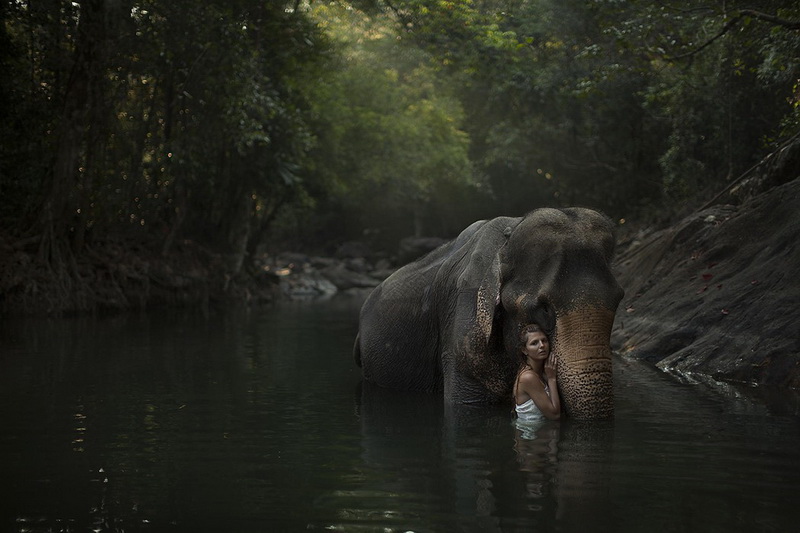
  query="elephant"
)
[{"x": 450, "y": 321}]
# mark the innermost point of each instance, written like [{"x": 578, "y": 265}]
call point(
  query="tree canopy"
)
[{"x": 240, "y": 124}]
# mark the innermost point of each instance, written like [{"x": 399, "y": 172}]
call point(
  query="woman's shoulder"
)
[{"x": 529, "y": 377}]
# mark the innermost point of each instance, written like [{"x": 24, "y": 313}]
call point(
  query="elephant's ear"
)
[
  {"x": 477, "y": 303},
  {"x": 469, "y": 353},
  {"x": 487, "y": 301},
  {"x": 479, "y": 283},
  {"x": 478, "y": 370}
]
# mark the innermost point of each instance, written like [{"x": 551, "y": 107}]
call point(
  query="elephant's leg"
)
[{"x": 460, "y": 387}]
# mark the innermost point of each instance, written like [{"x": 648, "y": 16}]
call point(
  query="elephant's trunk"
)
[{"x": 582, "y": 344}]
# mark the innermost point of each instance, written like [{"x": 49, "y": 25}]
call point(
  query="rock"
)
[
  {"x": 358, "y": 264},
  {"x": 305, "y": 286},
  {"x": 352, "y": 249},
  {"x": 776, "y": 169},
  {"x": 412, "y": 248},
  {"x": 344, "y": 278},
  {"x": 717, "y": 293},
  {"x": 291, "y": 259},
  {"x": 322, "y": 262},
  {"x": 357, "y": 293},
  {"x": 383, "y": 264}
]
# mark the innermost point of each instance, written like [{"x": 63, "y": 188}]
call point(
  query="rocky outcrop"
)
[
  {"x": 717, "y": 294},
  {"x": 300, "y": 276},
  {"x": 113, "y": 275},
  {"x": 353, "y": 269}
]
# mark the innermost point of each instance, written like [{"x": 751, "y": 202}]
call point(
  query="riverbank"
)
[
  {"x": 120, "y": 276},
  {"x": 115, "y": 275},
  {"x": 716, "y": 295},
  {"x": 713, "y": 295}
]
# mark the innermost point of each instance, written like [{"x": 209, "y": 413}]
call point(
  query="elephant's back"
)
[{"x": 398, "y": 332}]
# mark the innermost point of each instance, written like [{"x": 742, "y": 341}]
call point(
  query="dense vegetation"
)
[{"x": 238, "y": 124}]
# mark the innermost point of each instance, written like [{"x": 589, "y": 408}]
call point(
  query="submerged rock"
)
[
  {"x": 345, "y": 278},
  {"x": 306, "y": 286},
  {"x": 308, "y": 277}
]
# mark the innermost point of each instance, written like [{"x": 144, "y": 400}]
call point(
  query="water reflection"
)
[
  {"x": 256, "y": 420},
  {"x": 446, "y": 469},
  {"x": 536, "y": 446}
]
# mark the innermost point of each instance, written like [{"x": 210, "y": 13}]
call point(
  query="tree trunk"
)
[
  {"x": 81, "y": 93},
  {"x": 181, "y": 203},
  {"x": 239, "y": 232},
  {"x": 262, "y": 220}
]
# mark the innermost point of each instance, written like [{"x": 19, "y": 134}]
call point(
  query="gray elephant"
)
[{"x": 451, "y": 320}]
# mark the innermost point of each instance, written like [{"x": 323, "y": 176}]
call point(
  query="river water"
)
[{"x": 256, "y": 420}]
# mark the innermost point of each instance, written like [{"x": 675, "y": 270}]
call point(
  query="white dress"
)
[
  {"x": 528, "y": 411},
  {"x": 529, "y": 419}
]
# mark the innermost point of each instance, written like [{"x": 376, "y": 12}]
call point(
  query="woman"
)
[{"x": 535, "y": 389}]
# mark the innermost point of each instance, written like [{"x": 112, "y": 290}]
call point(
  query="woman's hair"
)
[{"x": 530, "y": 328}]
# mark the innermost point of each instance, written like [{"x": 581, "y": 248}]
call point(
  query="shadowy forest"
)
[{"x": 154, "y": 143}]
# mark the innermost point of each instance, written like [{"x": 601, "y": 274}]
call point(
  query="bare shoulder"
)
[{"x": 528, "y": 380}]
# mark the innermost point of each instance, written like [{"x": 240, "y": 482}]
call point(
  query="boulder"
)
[
  {"x": 352, "y": 249},
  {"x": 306, "y": 286},
  {"x": 344, "y": 278},
  {"x": 291, "y": 259},
  {"x": 412, "y": 248},
  {"x": 717, "y": 293}
]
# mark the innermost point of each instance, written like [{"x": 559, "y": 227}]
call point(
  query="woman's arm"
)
[
  {"x": 551, "y": 372},
  {"x": 533, "y": 387}
]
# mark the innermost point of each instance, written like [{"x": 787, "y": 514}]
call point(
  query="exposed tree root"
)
[{"x": 113, "y": 276}]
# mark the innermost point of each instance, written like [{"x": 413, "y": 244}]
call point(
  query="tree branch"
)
[
  {"x": 725, "y": 29},
  {"x": 788, "y": 24},
  {"x": 776, "y": 21}
]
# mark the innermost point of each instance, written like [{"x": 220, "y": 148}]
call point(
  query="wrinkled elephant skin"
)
[{"x": 451, "y": 320}]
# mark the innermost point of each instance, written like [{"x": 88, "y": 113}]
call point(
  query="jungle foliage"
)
[{"x": 243, "y": 123}]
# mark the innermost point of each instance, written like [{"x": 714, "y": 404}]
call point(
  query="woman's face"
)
[{"x": 536, "y": 345}]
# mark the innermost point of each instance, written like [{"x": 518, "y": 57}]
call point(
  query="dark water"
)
[{"x": 256, "y": 421}]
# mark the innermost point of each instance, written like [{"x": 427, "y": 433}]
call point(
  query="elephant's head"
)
[{"x": 552, "y": 270}]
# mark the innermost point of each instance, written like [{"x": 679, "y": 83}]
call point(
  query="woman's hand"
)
[{"x": 551, "y": 367}]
